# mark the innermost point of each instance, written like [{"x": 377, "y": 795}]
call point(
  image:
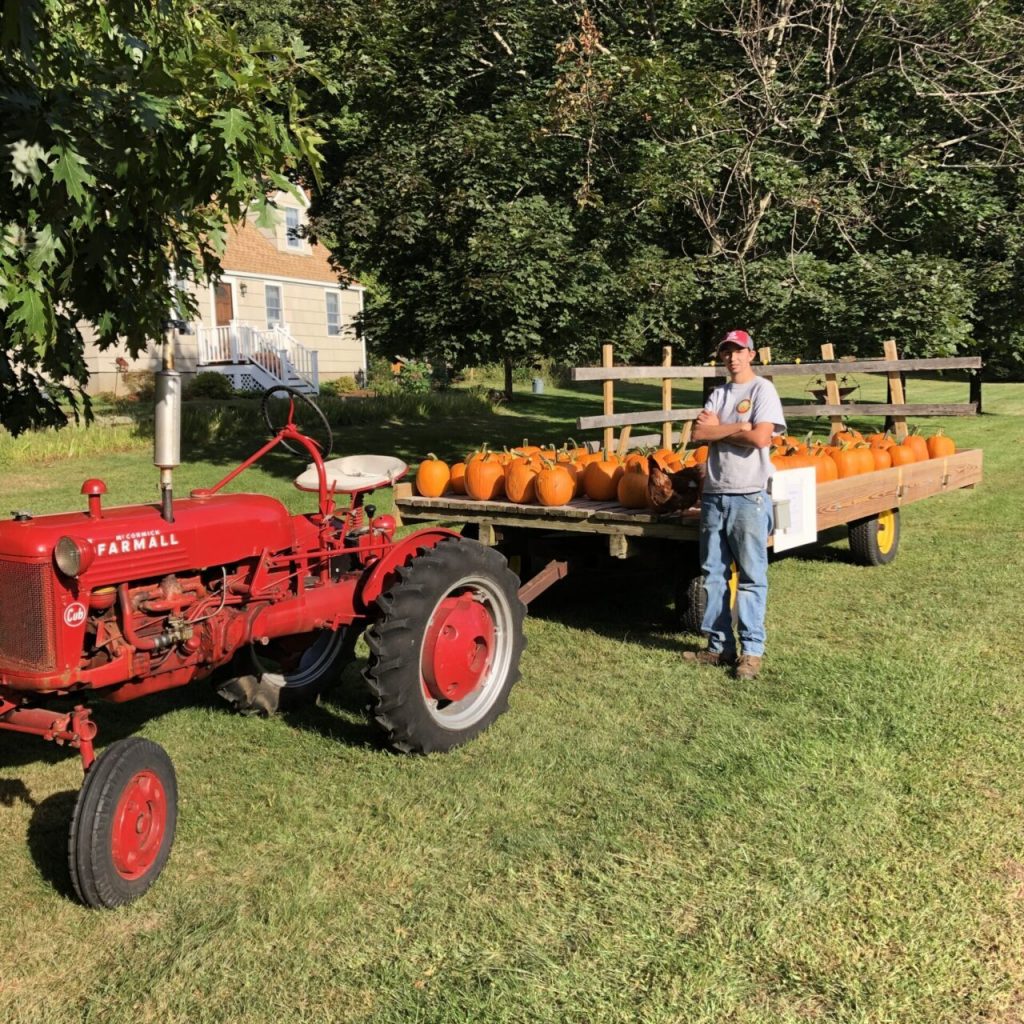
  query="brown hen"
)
[{"x": 669, "y": 492}]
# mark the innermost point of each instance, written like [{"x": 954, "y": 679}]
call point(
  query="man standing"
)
[{"x": 737, "y": 424}]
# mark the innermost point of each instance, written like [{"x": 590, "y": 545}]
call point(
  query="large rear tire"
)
[
  {"x": 289, "y": 672},
  {"x": 445, "y": 651},
  {"x": 124, "y": 821}
]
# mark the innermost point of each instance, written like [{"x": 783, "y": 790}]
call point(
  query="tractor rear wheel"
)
[
  {"x": 123, "y": 826},
  {"x": 288, "y": 672},
  {"x": 444, "y": 652}
]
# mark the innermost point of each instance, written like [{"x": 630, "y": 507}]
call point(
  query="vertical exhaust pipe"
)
[{"x": 167, "y": 425}]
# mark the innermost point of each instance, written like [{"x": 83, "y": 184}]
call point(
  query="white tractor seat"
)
[{"x": 353, "y": 473}]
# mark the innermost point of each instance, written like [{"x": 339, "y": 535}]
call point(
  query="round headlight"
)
[{"x": 72, "y": 556}]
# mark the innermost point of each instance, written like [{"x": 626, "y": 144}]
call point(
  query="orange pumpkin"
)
[
  {"x": 847, "y": 436},
  {"x": 663, "y": 456},
  {"x": 902, "y": 455},
  {"x": 485, "y": 478},
  {"x": 865, "y": 459},
  {"x": 940, "y": 446},
  {"x": 824, "y": 467},
  {"x": 631, "y": 489},
  {"x": 881, "y": 456},
  {"x": 457, "y": 483},
  {"x": 848, "y": 462},
  {"x": 918, "y": 445},
  {"x": 601, "y": 479},
  {"x": 520, "y": 482},
  {"x": 555, "y": 485},
  {"x": 432, "y": 476},
  {"x": 880, "y": 440}
]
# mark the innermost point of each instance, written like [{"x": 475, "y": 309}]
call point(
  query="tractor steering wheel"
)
[{"x": 323, "y": 438}]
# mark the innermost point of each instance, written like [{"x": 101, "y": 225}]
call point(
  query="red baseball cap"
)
[{"x": 739, "y": 338}]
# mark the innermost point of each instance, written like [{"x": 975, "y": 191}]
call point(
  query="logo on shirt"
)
[{"x": 743, "y": 406}]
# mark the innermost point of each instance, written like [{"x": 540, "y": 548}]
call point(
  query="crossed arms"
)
[{"x": 708, "y": 429}]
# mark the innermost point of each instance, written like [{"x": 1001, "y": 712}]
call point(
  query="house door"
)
[{"x": 224, "y": 303}]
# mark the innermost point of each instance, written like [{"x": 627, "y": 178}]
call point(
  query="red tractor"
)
[{"x": 124, "y": 602}]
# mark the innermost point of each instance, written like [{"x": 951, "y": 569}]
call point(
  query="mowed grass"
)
[{"x": 633, "y": 841}]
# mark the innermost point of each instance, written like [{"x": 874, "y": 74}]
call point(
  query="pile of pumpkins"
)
[
  {"x": 531, "y": 475},
  {"x": 850, "y": 453}
]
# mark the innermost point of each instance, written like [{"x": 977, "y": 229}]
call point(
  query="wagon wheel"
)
[
  {"x": 691, "y": 602},
  {"x": 123, "y": 826},
  {"x": 876, "y": 540},
  {"x": 288, "y": 672},
  {"x": 445, "y": 651},
  {"x": 316, "y": 427}
]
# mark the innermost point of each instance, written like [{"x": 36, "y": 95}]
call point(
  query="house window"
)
[
  {"x": 291, "y": 225},
  {"x": 333, "y": 313},
  {"x": 275, "y": 312}
]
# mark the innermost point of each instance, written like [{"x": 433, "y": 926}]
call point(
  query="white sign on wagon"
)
[{"x": 794, "y": 495}]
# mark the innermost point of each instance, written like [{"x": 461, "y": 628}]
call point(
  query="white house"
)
[{"x": 279, "y": 314}]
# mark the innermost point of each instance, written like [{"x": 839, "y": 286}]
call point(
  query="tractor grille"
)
[{"x": 27, "y": 639}]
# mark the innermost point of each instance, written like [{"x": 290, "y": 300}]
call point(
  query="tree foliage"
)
[
  {"x": 538, "y": 177},
  {"x": 131, "y": 133}
]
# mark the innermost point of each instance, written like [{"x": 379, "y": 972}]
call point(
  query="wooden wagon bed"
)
[{"x": 838, "y": 502}]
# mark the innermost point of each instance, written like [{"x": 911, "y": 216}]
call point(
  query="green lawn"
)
[{"x": 633, "y": 841}]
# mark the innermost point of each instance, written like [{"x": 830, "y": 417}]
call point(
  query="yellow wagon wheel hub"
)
[{"x": 886, "y": 535}]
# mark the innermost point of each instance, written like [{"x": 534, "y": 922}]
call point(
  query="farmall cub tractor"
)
[{"x": 124, "y": 602}]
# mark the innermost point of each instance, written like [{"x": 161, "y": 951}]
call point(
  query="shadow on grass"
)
[{"x": 48, "y": 840}]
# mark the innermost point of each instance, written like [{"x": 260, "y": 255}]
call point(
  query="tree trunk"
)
[{"x": 508, "y": 379}]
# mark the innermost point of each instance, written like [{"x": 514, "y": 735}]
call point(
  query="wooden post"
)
[
  {"x": 896, "y": 392},
  {"x": 624, "y": 440},
  {"x": 974, "y": 376},
  {"x": 765, "y": 355},
  {"x": 684, "y": 434},
  {"x": 609, "y": 397},
  {"x": 828, "y": 354},
  {"x": 666, "y": 397}
]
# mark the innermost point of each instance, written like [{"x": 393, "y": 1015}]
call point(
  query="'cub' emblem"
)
[{"x": 744, "y": 406}]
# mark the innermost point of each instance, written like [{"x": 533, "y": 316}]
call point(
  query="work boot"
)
[
  {"x": 748, "y": 667},
  {"x": 709, "y": 658}
]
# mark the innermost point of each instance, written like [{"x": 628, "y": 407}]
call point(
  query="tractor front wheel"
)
[
  {"x": 445, "y": 651},
  {"x": 123, "y": 826}
]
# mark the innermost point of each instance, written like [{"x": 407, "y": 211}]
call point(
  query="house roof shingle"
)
[{"x": 248, "y": 250}]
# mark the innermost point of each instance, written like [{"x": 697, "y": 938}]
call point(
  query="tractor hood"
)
[{"x": 135, "y": 542}]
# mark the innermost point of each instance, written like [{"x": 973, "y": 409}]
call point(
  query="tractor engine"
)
[{"x": 123, "y": 601}]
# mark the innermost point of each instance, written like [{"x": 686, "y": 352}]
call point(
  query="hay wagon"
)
[{"x": 544, "y": 544}]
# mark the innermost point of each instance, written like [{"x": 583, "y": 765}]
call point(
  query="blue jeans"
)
[{"x": 735, "y": 528}]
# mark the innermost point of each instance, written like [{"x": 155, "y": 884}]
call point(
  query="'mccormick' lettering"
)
[{"x": 126, "y": 545}]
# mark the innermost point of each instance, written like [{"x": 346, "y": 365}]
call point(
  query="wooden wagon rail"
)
[{"x": 894, "y": 368}]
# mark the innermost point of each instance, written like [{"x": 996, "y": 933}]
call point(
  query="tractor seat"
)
[{"x": 354, "y": 473}]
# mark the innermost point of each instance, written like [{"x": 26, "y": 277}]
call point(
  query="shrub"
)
[
  {"x": 139, "y": 385},
  {"x": 340, "y": 386},
  {"x": 210, "y": 385},
  {"x": 415, "y": 378}
]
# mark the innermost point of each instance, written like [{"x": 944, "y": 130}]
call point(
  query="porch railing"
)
[{"x": 274, "y": 349}]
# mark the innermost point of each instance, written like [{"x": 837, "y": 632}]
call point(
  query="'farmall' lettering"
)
[{"x": 136, "y": 542}]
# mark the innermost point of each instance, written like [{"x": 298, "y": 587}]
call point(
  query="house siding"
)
[{"x": 253, "y": 258}]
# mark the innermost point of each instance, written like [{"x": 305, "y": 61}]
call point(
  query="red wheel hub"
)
[
  {"x": 140, "y": 822},
  {"x": 457, "y": 648}
]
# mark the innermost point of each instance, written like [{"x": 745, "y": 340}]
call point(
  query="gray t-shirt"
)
[{"x": 734, "y": 468}]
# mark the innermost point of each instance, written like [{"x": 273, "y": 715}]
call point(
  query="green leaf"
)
[
  {"x": 71, "y": 170},
  {"x": 234, "y": 125}
]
